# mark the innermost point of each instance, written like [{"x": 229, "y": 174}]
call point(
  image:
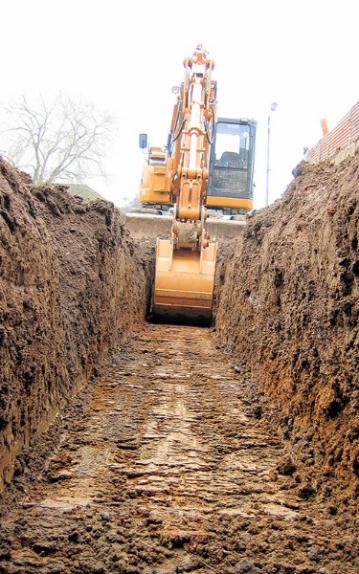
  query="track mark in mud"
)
[{"x": 168, "y": 470}]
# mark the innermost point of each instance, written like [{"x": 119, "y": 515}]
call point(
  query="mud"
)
[
  {"x": 72, "y": 284},
  {"x": 166, "y": 465},
  {"x": 288, "y": 311}
]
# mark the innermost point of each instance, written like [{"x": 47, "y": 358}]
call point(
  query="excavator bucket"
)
[{"x": 184, "y": 283}]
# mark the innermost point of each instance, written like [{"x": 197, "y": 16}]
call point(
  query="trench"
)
[
  {"x": 167, "y": 466},
  {"x": 130, "y": 447}
]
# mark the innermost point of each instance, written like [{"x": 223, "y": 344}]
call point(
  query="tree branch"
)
[{"x": 61, "y": 141}]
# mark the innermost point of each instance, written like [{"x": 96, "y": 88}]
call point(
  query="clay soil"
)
[
  {"x": 72, "y": 283},
  {"x": 288, "y": 311},
  {"x": 166, "y": 464},
  {"x": 137, "y": 448}
]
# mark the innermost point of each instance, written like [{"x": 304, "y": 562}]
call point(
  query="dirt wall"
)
[
  {"x": 288, "y": 311},
  {"x": 72, "y": 283}
]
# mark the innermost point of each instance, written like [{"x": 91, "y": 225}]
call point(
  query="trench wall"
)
[
  {"x": 288, "y": 312},
  {"x": 72, "y": 283}
]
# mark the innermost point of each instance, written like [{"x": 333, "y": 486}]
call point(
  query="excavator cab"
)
[{"x": 230, "y": 185}]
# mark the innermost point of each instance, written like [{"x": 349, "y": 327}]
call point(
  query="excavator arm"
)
[{"x": 185, "y": 263}]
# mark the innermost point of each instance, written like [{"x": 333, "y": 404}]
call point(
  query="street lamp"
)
[{"x": 273, "y": 108}]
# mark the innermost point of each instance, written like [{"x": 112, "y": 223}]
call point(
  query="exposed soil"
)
[
  {"x": 136, "y": 448},
  {"x": 165, "y": 466},
  {"x": 72, "y": 284},
  {"x": 288, "y": 309}
]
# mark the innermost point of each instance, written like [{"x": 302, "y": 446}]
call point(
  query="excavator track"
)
[{"x": 164, "y": 465}]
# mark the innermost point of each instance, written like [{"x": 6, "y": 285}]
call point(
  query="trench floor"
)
[{"x": 169, "y": 467}]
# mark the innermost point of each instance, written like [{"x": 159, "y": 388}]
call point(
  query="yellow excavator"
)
[{"x": 207, "y": 163}]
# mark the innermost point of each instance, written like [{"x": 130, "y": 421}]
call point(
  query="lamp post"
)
[{"x": 273, "y": 108}]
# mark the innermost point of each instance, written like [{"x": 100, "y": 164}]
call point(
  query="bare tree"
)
[{"x": 63, "y": 141}]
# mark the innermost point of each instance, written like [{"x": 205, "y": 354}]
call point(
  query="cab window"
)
[{"x": 232, "y": 146}]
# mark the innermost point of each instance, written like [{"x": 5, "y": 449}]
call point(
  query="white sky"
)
[{"x": 125, "y": 57}]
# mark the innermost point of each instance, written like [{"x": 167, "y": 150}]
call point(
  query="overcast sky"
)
[{"x": 126, "y": 56}]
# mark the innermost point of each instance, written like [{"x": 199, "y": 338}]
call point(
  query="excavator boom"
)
[
  {"x": 185, "y": 263},
  {"x": 205, "y": 164}
]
